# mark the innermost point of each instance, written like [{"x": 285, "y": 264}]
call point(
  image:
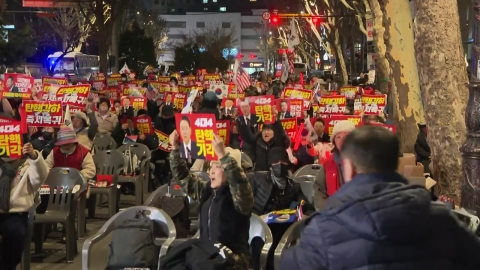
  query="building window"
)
[
  {"x": 214, "y": 1},
  {"x": 205, "y": 1},
  {"x": 249, "y": 37},
  {"x": 250, "y": 25},
  {"x": 176, "y": 24},
  {"x": 223, "y": 9},
  {"x": 200, "y": 24},
  {"x": 225, "y": 25}
]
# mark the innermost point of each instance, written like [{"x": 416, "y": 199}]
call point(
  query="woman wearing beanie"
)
[{"x": 326, "y": 186}]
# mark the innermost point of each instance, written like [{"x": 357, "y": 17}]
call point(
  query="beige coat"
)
[{"x": 107, "y": 124}]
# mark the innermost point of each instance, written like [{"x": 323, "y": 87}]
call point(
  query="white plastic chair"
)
[{"x": 118, "y": 219}]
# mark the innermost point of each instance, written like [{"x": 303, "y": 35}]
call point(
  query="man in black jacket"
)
[
  {"x": 378, "y": 221},
  {"x": 422, "y": 149},
  {"x": 249, "y": 120}
]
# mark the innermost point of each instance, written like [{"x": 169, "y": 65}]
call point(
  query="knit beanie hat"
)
[
  {"x": 342, "y": 126},
  {"x": 66, "y": 135},
  {"x": 278, "y": 154}
]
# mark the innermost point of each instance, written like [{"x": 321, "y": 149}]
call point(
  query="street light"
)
[{"x": 270, "y": 32}]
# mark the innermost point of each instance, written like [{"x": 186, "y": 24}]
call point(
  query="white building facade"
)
[{"x": 246, "y": 28}]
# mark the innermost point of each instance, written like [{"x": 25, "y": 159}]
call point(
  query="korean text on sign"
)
[
  {"x": 74, "y": 95},
  {"x": 290, "y": 127},
  {"x": 223, "y": 128},
  {"x": 332, "y": 105},
  {"x": 138, "y": 103},
  {"x": 373, "y": 104},
  {"x": 296, "y": 107},
  {"x": 144, "y": 124},
  {"x": 42, "y": 113},
  {"x": 262, "y": 107},
  {"x": 349, "y": 91},
  {"x": 196, "y": 135},
  {"x": 163, "y": 141},
  {"x": 11, "y": 140},
  {"x": 54, "y": 80},
  {"x": 304, "y": 94},
  {"x": 330, "y": 122},
  {"x": 179, "y": 100}
]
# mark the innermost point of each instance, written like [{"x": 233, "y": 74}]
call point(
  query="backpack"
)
[
  {"x": 178, "y": 209},
  {"x": 133, "y": 244}
]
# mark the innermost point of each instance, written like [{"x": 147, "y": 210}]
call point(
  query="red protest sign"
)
[
  {"x": 196, "y": 135},
  {"x": 373, "y": 104},
  {"x": 113, "y": 92},
  {"x": 349, "y": 91},
  {"x": 332, "y": 105},
  {"x": 163, "y": 141},
  {"x": 136, "y": 103},
  {"x": 303, "y": 94},
  {"x": 11, "y": 140},
  {"x": 330, "y": 122},
  {"x": 54, "y": 80},
  {"x": 144, "y": 124},
  {"x": 290, "y": 127},
  {"x": 289, "y": 107},
  {"x": 223, "y": 128},
  {"x": 114, "y": 80},
  {"x": 18, "y": 86},
  {"x": 99, "y": 83},
  {"x": 73, "y": 95},
  {"x": 261, "y": 106},
  {"x": 179, "y": 100},
  {"x": 42, "y": 113}
]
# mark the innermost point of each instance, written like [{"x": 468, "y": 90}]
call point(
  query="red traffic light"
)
[
  {"x": 252, "y": 56},
  {"x": 274, "y": 20},
  {"x": 315, "y": 20},
  {"x": 318, "y": 61},
  {"x": 239, "y": 56}
]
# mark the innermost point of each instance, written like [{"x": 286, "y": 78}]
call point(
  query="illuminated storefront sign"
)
[{"x": 252, "y": 64}]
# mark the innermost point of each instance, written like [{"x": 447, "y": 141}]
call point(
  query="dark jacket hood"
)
[{"x": 380, "y": 206}]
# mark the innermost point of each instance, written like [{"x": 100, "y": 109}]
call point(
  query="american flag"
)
[
  {"x": 92, "y": 96},
  {"x": 291, "y": 58},
  {"x": 240, "y": 77},
  {"x": 151, "y": 94}
]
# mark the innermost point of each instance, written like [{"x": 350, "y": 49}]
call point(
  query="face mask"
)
[
  {"x": 47, "y": 136},
  {"x": 280, "y": 170}
]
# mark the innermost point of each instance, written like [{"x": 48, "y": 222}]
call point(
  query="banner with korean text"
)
[
  {"x": 330, "y": 122},
  {"x": 133, "y": 91},
  {"x": 291, "y": 107},
  {"x": 332, "y": 105},
  {"x": 114, "y": 80},
  {"x": 223, "y": 128},
  {"x": 178, "y": 99},
  {"x": 261, "y": 106},
  {"x": 18, "y": 86},
  {"x": 136, "y": 103},
  {"x": 73, "y": 95},
  {"x": 349, "y": 91},
  {"x": 144, "y": 124},
  {"x": 163, "y": 141},
  {"x": 99, "y": 83},
  {"x": 305, "y": 95},
  {"x": 196, "y": 135},
  {"x": 42, "y": 113},
  {"x": 373, "y": 104},
  {"x": 290, "y": 127},
  {"x": 54, "y": 80},
  {"x": 11, "y": 140}
]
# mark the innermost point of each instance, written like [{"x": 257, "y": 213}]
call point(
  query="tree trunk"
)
[
  {"x": 103, "y": 53},
  {"x": 340, "y": 59},
  {"x": 404, "y": 74},
  {"x": 382, "y": 66},
  {"x": 442, "y": 72}
]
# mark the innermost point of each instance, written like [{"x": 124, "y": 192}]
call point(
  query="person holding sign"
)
[
  {"x": 188, "y": 148},
  {"x": 106, "y": 120},
  {"x": 18, "y": 189},
  {"x": 226, "y": 201}
]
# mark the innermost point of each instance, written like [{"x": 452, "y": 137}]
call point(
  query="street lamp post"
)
[{"x": 470, "y": 189}]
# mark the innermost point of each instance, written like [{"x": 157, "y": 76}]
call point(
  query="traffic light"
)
[
  {"x": 252, "y": 56},
  {"x": 274, "y": 19},
  {"x": 239, "y": 56},
  {"x": 315, "y": 20}
]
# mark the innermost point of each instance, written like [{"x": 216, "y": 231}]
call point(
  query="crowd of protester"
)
[{"x": 364, "y": 214}]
